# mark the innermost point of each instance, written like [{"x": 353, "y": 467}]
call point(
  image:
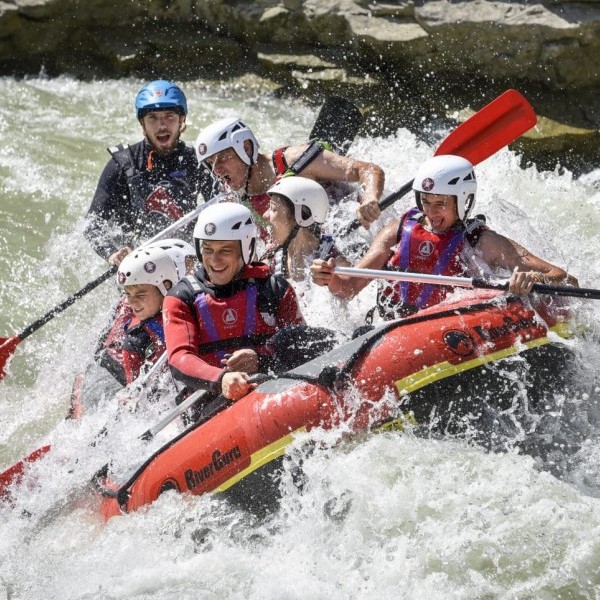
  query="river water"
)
[{"x": 393, "y": 515}]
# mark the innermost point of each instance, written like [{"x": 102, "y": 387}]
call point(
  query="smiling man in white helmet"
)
[
  {"x": 438, "y": 237},
  {"x": 219, "y": 321},
  {"x": 230, "y": 149}
]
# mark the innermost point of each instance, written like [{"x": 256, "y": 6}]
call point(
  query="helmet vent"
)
[
  {"x": 454, "y": 181},
  {"x": 222, "y": 136},
  {"x": 236, "y": 226}
]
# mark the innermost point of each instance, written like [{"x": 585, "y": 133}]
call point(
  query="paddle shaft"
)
[
  {"x": 491, "y": 128},
  {"x": 171, "y": 416},
  {"x": 540, "y": 288},
  {"x": 59, "y": 308},
  {"x": 416, "y": 277}
]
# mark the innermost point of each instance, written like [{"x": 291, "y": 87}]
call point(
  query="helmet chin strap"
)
[
  {"x": 247, "y": 184},
  {"x": 245, "y": 201}
]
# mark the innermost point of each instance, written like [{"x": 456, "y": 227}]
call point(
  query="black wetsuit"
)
[{"x": 139, "y": 193}]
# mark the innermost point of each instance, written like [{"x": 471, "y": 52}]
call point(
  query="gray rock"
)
[{"x": 405, "y": 61}]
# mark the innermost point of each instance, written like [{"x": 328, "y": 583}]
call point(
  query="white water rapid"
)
[{"x": 389, "y": 516}]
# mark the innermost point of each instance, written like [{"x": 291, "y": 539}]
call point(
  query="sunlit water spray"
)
[{"x": 390, "y": 515}]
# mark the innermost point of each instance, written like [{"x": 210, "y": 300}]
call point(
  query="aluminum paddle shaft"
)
[{"x": 465, "y": 282}]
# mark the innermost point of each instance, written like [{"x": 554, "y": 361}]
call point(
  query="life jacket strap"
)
[{"x": 123, "y": 156}]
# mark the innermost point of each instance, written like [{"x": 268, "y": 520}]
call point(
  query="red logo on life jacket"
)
[
  {"x": 161, "y": 201},
  {"x": 426, "y": 248},
  {"x": 230, "y": 316}
]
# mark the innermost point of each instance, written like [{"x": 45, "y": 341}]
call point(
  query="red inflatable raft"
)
[{"x": 431, "y": 368}]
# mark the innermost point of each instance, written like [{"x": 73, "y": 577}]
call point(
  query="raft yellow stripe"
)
[
  {"x": 562, "y": 329},
  {"x": 406, "y": 385},
  {"x": 262, "y": 457},
  {"x": 445, "y": 369}
]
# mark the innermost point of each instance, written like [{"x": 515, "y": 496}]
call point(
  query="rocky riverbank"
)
[{"x": 404, "y": 62}]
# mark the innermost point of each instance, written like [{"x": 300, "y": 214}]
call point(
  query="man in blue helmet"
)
[
  {"x": 143, "y": 188},
  {"x": 146, "y": 186}
]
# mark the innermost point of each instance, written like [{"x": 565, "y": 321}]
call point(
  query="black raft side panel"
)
[{"x": 471, "y": 400}]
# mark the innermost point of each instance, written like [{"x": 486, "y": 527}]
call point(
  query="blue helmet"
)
[{"x": 160, "y": 95}]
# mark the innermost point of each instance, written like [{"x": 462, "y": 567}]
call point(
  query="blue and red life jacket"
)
[
  {"x": 144, "y": 341},
  {"x": 243, "y": 314},
  {"x": 420, "y": 250}
]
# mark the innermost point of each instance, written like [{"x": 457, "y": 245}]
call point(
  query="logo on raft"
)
[
  {"x": 511, "y": 326},
  {"x": 194, "y": 478},
  {"x": 459, "y": 342}
]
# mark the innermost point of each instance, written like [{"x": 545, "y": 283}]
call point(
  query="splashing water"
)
[{"x": 390, "y": 515}]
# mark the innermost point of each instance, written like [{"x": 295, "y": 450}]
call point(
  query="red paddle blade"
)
[
  {"x": 7, "y": 348},
  {"x": 497, "y": 124},
  {"x": 15, "y": 472}
]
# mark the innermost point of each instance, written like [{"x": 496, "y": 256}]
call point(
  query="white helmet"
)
[
  {"x": 178, "y": 250},
  {"x": 449, "y": 175},
  {"x": 309, "y": 198},
  {"x": 152, "y": 266},
  {"x": 226, "y": 133},
  {"x": 227, "y": 221}
]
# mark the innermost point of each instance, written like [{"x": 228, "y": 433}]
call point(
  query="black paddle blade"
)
[{"x": 338, "y": 123}]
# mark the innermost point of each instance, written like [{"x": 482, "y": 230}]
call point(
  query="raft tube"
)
[{"x": 414, "y": 369}]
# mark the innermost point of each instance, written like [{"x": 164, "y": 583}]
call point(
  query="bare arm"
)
[
  {"x": 376, "y": 257},
  {"x": 333, "y": 167},
  {"x": 499, "y": 251}
]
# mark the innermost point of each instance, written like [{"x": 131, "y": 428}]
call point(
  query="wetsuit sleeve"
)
[
  {"x": 109, "y": 212},
  {"x": 182, "y": 339}
]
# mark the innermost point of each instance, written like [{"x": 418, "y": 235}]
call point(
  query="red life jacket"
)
[
  {"x": 245, "y": 318},
  {"x": 144, "y": 341},
  {"x": 422, "y": 251},
  {"x": 192, "y": 324},
  {"x": 109, "y": 351}
]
